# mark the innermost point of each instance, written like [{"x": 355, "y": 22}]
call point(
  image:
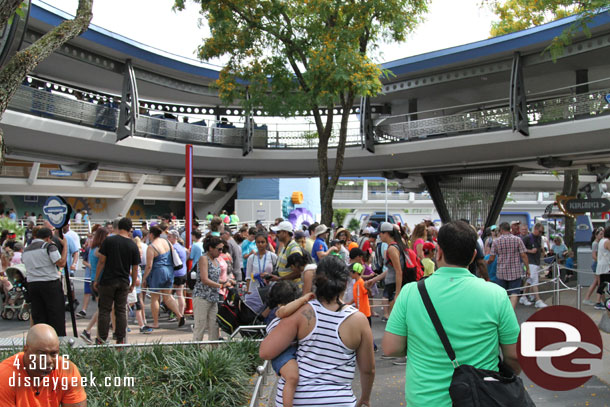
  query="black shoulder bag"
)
[{"x": 472, "y": 387}]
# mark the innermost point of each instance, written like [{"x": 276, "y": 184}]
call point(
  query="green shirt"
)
[{"x": 477, "y": 316}]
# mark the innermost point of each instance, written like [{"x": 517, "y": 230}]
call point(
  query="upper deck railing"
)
[{"x": 567, "y": 107}]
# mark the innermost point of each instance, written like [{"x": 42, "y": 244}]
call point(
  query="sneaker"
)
[
  {"x": 524, "y": 301},
  {"x": 172, "y": 319},
  {"x": 375, "y": 348},
  {"x": 99, "y": 341},
  {"x": 182, "y": 322},
  {"x": 86, "y": 336},
  {"x": 540, "y": 304},
  {"x": 81, "y": 314},
  {"x": 588, "y": 302},
  {"x": 400, "y": 362},
  {"x": 384, "y": 319},
  {"x": 384, "y": 357},
  {"x": 600, "y": 306},
  {"x": 531, "y": 298},
  {"x": 146, "y": 330}
]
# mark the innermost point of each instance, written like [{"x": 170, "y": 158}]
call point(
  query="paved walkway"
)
[{"x": 390, "y": 379}]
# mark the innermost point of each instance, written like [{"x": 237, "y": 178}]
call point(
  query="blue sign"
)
[
  {"x": 608, "y": 98},
  {"x": 57, "y": 211},
  {"x": 60, "y": 173}
]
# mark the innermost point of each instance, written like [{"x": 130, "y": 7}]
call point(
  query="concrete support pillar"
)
[
  {"x": 120, "y": 206},
  {"x": 92, "y": 178},
  {"x": 34, "y": 173},
  {"x": 365, "y": 190}
]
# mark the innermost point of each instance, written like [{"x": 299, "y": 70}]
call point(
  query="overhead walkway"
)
[{"x": 442, "y": 111}]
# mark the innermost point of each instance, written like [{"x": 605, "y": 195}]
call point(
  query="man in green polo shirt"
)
[{"x": 477, "y": 316}]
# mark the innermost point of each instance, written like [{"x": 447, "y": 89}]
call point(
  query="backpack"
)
[
  {"x": 378, "y": 262},
  {"x": 412, "y": 269}
]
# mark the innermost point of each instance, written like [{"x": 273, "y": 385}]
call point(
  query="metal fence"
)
[{"x": 44, "y": 103}]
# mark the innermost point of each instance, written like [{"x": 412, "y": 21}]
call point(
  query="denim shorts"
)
[
  {"x": 284, "y": 357},
  {"x": 511, "y": 286}
]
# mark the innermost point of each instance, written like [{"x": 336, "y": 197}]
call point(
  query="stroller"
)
[
  {"x": 233, "y": 312},
  {"x": 16, "y": 303}
]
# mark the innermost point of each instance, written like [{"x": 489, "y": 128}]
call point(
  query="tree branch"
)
[
  {"x": 23, "y": 62},
  {"x": 7, "y": 10}
]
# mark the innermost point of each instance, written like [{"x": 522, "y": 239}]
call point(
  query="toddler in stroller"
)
[{"x": 15, "y": 301}]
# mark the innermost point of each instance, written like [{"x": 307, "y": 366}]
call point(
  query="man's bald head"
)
[
  {"x": 41, "y": 335},
  {"x": 41, "y": 350}
]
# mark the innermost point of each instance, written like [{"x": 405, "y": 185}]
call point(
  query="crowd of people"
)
[{"x": 311, "y": 289}]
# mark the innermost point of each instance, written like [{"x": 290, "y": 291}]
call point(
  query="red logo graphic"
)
[{"x": 560, "y": 348}]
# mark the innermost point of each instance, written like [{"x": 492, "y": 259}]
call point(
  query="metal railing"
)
[{"x": 44, "y": 103}]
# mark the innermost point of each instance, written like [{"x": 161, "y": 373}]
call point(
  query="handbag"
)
[{"x": 472, "y": 387}]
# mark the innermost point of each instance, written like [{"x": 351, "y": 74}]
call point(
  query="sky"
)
[{"x": 152, "y": 22}]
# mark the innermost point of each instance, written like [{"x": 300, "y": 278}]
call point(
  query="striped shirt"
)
[
  {"x": 326, "y": 365},
  {"x": 507, "y": 248}
]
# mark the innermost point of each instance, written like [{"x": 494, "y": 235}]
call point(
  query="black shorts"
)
[
  {"x": 138, "y": 304},
  {"x": 389, "y": 291},
  {"x": 180, "y": 280}
]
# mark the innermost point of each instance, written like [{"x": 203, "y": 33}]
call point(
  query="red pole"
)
[{"x": 188, "y": 205}]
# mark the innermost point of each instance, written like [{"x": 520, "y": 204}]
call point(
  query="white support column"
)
[
  {"x": 91, "y": 179},
  {"x": 365, "y": 190},
  {"x": 212, "y": 185},
  {"x": 121, "y": 206},
  {"x": 34, "y": 173},
  {"x": 180, "y": 184}
]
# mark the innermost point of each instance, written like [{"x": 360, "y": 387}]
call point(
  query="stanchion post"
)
[{"x": 578, "y": 294}]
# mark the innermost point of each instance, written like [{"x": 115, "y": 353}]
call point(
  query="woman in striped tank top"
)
[{"x": 332, "y": 339}]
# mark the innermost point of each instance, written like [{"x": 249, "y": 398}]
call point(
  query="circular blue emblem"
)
[{"x": 57, "y": 211}]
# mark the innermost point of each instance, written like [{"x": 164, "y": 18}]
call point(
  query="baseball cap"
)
[
  {"x": 429, "y": 246},
  {"x": 285, "y": 226},
  {"x": 493, "y": 227},
  {"x": 386, "y": 227},
  {"x": 320, "y": 229},
  {"x": 299, "y": 234},
  {"x": 427, "y": 219},
  {"x": 137, "y": 233},
  {"x": 356, "y": 268},
  {"x": 515, "y": 222},
  {"x": 174, "y": 232}
]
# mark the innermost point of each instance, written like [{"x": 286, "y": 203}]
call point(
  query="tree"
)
[
  {"x": 24, "y": 61},
  {"x": 516, "y": 15},
  {"x": 292, "y": 56}
]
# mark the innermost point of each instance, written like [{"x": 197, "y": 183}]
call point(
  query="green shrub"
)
[{"x": 168, "y": 376}]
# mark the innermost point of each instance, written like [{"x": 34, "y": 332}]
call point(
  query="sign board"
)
[
  {"x": 60, "y": 173},
  {"x": 608, "y": 98},
  {"x": 57, "y": 211},
  {"x": 587, "y": 205}
]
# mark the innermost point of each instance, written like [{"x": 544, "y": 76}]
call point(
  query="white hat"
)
[
  {"x": 370, "y": 230},
  {"x": 285, "y": 225},
  {"x": 386, "y": 227},
  {"x": 320, "y": 229},
  {"x": 427, "y": 219}
]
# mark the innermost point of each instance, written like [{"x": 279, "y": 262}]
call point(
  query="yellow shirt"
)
[{"x": 428, "y": 266}]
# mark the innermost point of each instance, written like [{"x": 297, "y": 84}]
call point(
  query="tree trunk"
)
[
  {"x": 24, "y": 62},
  {"x": 570, "y": 188},
  {"x": 327, "y": 188}
]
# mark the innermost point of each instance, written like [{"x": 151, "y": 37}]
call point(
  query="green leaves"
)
[
  {"x": 165, "y": 376},
  {"x": 298, "y": 54},
  {"x": 516, "y": 15}
]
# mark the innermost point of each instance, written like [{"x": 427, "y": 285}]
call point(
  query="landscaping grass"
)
[{"x": 168, "y": 376}]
